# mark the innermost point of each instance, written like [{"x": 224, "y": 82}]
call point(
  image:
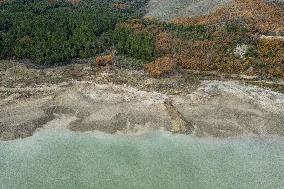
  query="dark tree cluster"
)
[
  {"x": 140, "y": 45},
  {"x": 48, "y": 32}
]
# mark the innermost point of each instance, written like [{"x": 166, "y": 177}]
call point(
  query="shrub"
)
[
  {"x": 161, "y": 66},
  {"x": 234, "y": 26},
  {"x": 252, "y": 52},
  {"x": 104, "y": 60},
  {"x": 164, "y": 42}
]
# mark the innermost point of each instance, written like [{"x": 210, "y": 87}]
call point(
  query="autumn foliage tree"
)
[{"x": 161, "y": 66}]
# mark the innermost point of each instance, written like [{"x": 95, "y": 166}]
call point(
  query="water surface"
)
[{"x": 62, "y": 159}]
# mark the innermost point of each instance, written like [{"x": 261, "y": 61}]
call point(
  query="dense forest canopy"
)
[{"x": 48, "y": 32}]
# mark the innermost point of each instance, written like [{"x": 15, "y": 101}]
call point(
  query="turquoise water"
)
[{"x": 61, "y": 159}]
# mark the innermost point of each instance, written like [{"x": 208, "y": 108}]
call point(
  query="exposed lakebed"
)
[{"x": 218, "y": 109}]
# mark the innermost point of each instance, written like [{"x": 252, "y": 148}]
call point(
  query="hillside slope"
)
[
  {"x": 168, "y": 9},
  {"x": 262, "y": 16}
]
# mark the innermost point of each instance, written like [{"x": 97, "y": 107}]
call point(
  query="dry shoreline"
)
[{"x": 117, "y": 100}]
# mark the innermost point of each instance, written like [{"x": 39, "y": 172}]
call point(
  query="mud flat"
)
[{"x": 203, "y": 108}]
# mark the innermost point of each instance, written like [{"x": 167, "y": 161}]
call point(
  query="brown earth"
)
[{"x": 260, "y": 15}]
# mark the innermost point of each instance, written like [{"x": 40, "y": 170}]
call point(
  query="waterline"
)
[{"x": 58, "y": 158}]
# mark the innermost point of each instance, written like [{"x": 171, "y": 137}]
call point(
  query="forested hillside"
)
[{"x": 54, "y": 31}]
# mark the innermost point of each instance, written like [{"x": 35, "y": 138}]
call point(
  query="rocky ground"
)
[{"x": 86, "y": 98}]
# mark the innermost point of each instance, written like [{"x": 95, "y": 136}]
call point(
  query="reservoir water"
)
[{"x": 58, "y": 158}]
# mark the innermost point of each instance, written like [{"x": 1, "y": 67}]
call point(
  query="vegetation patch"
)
[
  {"x": 139, "y": 45},
  {"x": 48, "y": 32},
  {"x": 104, "y": 60},
  {"x": 161, "y": 66},
  {"x": 115, "y": 32}
]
